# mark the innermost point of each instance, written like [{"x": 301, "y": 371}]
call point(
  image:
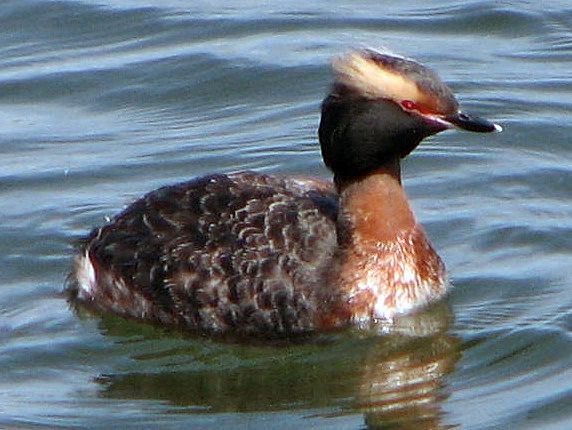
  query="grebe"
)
[{"x": 261, "y": 255}]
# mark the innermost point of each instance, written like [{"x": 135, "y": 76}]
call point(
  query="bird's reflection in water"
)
[
  {"x": 393, "y": 375},
  {"x": 404, "y": 386}
]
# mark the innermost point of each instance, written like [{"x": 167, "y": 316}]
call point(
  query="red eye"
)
[{"x": 409, "y": 105}]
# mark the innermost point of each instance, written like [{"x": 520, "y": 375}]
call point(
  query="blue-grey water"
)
[{"x": 101, "y": 101}]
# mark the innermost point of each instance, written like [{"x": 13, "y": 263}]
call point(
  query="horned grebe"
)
[{"x": 256, "y": 254}]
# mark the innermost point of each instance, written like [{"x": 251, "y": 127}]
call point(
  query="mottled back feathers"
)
[{"x": 218, "y": 253}]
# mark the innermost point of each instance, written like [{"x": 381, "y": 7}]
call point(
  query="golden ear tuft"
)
[{"x": 372, "y": 79}]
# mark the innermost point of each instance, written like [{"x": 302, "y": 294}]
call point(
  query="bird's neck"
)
[
  {"x": 374, "y": 208},
  {"x": 387, "y": 265}
]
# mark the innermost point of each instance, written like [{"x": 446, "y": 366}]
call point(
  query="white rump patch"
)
[{"x": 85, "y": 274}]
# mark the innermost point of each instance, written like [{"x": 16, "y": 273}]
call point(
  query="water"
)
[{"x": 102, "y": 101}]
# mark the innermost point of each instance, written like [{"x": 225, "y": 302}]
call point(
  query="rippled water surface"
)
[{"x": 101, "y": 101}]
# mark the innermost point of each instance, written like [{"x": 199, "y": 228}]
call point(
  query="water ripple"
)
[{"x": 104, "y": 100}]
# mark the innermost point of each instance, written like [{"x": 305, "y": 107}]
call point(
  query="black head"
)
[{"x": 380, "y": 108}]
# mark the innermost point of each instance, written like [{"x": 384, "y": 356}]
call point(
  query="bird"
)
[{"x": 266, "y": 255}]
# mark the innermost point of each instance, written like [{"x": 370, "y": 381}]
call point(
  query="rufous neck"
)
[{"x": 374, "y": 207}]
